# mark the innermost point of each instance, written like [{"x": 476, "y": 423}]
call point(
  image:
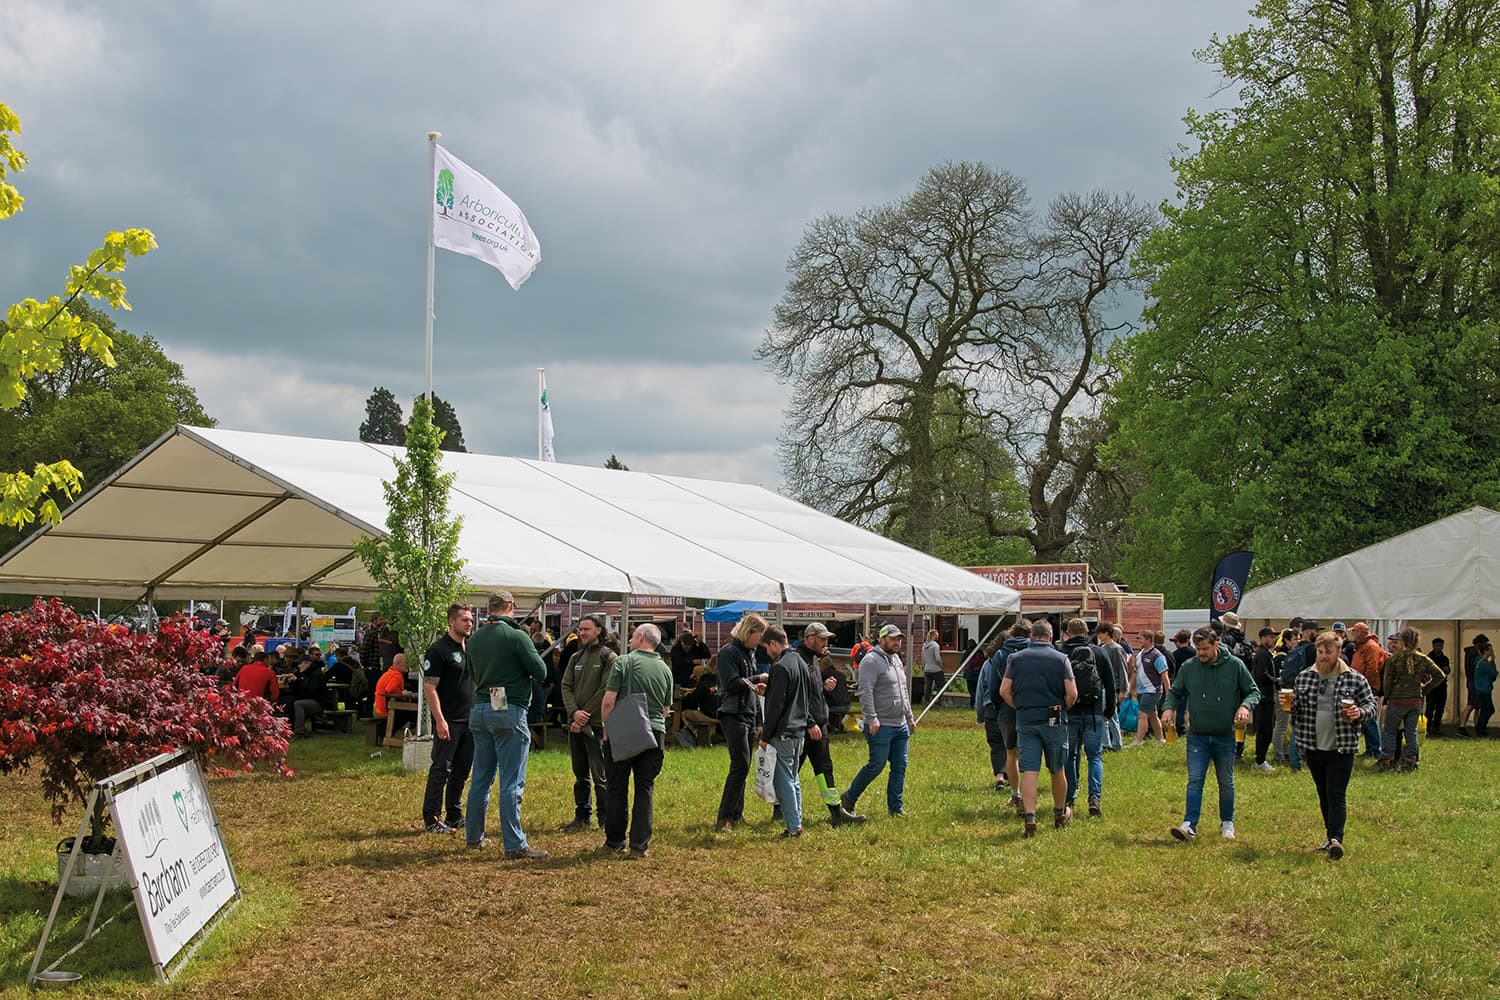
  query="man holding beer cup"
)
[{"x": 1327, "y": 704}]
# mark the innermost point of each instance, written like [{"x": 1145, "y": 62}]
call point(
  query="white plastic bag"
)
[{"x": 765, "y": 773}]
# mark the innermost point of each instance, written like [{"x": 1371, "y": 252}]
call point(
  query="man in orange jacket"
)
[{"x": 1369, "y": 659}]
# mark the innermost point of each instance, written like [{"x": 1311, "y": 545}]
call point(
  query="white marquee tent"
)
[
  {"x": 1448, "y": 570},
  {"x": 215, "y": 513}
]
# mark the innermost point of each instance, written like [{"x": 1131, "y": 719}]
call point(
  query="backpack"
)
[{"x": 1086, "y": 676}]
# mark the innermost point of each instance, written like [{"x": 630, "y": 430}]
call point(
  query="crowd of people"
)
[{"x": 1309, "y": 696}]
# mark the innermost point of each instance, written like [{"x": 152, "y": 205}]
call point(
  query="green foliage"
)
[
  {"x": 1320, "y": 367},
  {"x": 614, "y": 463},
  {"x": 416, "y": 566},
  {"x": 36, "y": 334},
  {"x": 446, "y": 419},
  {"x": 445, "y": 190},
  {"x": 384, "y": 422},
  {"x": 100, "y": 415}
]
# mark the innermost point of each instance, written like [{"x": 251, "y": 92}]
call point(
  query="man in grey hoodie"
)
[{"x": 885, "y": 698}]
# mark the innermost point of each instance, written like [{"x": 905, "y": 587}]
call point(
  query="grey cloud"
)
[{"x": 668, "y": 156}]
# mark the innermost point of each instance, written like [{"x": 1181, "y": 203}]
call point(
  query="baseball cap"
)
[
  {"x": 1267, "y": 631},
  {"x": 816, "y": 629},
  {"x": 889, "y": 630},
  {"x": 1338, "y": 627}
]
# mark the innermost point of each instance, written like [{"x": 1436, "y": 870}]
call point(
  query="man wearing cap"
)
[
  {"x": 1369, "y": 659},
  {"x": 505, "y": 662},
  {"x": 1437, "y": 697},
  {"x": 813, "y": 647},
  {"x": 886, "y": 701},
  {"x": 1263, "y": 672},
  {"x": 1346, "y": 644}
]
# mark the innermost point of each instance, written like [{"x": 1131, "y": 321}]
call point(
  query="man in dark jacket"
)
[
  {"x": 791, "y": 694},
  {"x": 1298, "y": 659},
  {"x": 814, "y": 646},
  {"x": 1264, "y": 672},
  {"x": 740, "y": 682},
  {"x": 1087, "y": 716},
  {"x": 998, "y": 717}
]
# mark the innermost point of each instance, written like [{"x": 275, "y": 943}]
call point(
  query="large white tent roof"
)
[
  {"x": 210, "y": 513},
  {"x": 1445, "y": 571}
]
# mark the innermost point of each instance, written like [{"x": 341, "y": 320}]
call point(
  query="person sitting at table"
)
[
  {"x": 835, "y": 692},
  {"x": 256, "y": 678},
  {"x": 392, "y": 684},
  {"x": 302, "y": 694},
  {"x": 230, "y": 668},
  {"x": 700, "y": 703}
]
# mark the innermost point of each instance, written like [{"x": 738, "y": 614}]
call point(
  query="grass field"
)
[{"x": 345, "y": 897}]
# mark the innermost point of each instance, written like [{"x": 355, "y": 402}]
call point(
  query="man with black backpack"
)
[{"x": 1087, "y": 716}]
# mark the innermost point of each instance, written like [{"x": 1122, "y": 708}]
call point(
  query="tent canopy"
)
[
  {"x": 219, "y": 513},
  {"x": 1445, "y": 571},
  {"x": 733, "y": 611}
]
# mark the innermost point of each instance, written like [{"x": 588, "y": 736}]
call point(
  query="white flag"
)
[
  {"x": 546, "y": 424},
  {"x": 471, "y": 216}
]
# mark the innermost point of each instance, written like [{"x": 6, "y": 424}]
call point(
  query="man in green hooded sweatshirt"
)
[{"x": 1219, "y": 693}]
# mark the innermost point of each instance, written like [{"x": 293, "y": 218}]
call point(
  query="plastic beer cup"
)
[
  {"x": 1286, "y": 699},
  {"x": 1170, "y": 732}
]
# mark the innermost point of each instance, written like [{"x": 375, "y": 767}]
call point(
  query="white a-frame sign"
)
[{"x": 180, "y": 875}]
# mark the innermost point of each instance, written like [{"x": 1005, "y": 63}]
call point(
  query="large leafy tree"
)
[
  {"x": 384, "y": 422},
  {"x": 1320, "y": 364},
  {"x": 36, "y": 335}
]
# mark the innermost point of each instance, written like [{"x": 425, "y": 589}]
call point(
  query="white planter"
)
[
  {"x": 416, "y": 753},
  {"x": 92, "y": 870}
]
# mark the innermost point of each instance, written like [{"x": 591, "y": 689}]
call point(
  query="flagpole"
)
[
  {"x": 432, "y": 138},
  {"x": 541, "y": 387}
]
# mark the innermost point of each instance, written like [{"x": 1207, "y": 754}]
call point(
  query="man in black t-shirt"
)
[{"x": 448, "y": 685}]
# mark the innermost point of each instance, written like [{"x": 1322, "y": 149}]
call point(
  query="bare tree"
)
[
  {"x": 1048, "y": 408},
  {"x": 917, "y": 335},
  {"x": 883, "y": 308}
]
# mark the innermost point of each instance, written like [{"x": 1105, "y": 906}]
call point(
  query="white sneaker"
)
[
  {"x": 1226, "y": 830},
  {"x": 1185, "y": 832},
  {"x": 1133, "y": 744},
  {"x": 1264, "y": 765}
]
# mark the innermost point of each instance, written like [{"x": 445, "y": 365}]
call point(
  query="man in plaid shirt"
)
[{"x": 1328, "y": 703}]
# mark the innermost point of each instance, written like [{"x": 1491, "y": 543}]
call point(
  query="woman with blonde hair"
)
[
  {"x": 740, "y": 685},
  {"x": 1326, "y": 706}
]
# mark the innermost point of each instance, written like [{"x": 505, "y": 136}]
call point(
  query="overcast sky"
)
[{"x": 668, "y": 156}]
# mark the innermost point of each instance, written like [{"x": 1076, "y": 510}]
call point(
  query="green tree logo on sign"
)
[{"x": 445, "y": 190}]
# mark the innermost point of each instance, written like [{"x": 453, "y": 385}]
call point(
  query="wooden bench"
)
[{"x": 342, "y": 719}]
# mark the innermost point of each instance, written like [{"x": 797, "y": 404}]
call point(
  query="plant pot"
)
[
  {"x": 92, "y": 869},
  {"x": 416, "y": 753}
]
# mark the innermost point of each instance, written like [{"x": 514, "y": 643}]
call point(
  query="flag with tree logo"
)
[{"x": 474, "y": 217}]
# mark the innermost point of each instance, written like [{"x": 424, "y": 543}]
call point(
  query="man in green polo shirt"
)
[
  {"x": 505, "y": 661},
  {"x": 640, "y": 671}
]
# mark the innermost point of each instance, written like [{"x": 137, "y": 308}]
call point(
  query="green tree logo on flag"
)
[{"x": 445, "y": 190}]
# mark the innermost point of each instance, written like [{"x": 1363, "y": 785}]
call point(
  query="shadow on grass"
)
[{"x": 117, "y": 951}]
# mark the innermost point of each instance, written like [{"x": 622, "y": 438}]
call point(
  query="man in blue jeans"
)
[
  {"x": 1039, "y": 685},
  {"x": 1087, "y": 716},
  {"x": 789, "y": 697},
  {"x": 1219, "y": 692},
  {"x": 885, "y": 698},
  {"x": 505, "y": 662}
]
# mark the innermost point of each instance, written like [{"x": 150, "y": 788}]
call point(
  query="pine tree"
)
[
  {"x": 384, "y": 422},
  {"x": 446, "y": 419},
  {"x": 615, "y": 463}
]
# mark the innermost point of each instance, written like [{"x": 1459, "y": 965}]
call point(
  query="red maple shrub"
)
[{"x": 84, "y": 700}]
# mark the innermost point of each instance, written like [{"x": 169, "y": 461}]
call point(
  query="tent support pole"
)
[
  {"x": 297, "y": 629},
  {"x": 624, "y": 623},
  {"x": 151, "y": 609}
]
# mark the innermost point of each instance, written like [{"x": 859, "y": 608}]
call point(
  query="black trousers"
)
[
  {"x": 643, "y": 769},
  {"x": 587, "y": 751},
  {"x": 1265, "y": 724},
  {"x": 739, "y": 731},
  {"x": 1331, "y": 771},
  {"x": 1437, "y": 698},
  {"x": 451, "y": 760},
  {"x": 817, "y": 752},
  {"x": 994, "y": 735}
]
